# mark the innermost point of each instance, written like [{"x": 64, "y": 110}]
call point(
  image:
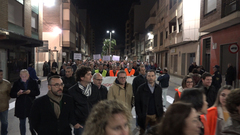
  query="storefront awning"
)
[{"x": 18, "y": 40}]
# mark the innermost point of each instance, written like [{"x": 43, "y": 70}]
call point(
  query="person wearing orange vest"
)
[
  {"x": 130, "y": 71},
  {"x": 113, "y": 72},
  {"x": 187, "y": 83},
  {"x": 197, "y": 98},
  {"x": 218, "y": 115}
]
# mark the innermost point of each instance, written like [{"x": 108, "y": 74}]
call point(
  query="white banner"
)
[
  {"x": 108, "y": 81},
  {"x": 115, "y": 58},
  {"x": 96, "y": 56},
  {"x": 106, "y": 58},
  {"x": 77, "y": 56}
]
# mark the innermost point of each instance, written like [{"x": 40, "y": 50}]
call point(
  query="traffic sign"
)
[{"x": 233, "y": 48}]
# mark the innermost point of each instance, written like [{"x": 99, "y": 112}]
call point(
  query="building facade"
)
[{"x": 20, "y": 33}]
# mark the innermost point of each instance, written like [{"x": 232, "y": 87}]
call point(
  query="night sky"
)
[{"x": 107, "y": 15}]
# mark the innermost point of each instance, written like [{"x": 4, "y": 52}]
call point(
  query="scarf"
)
[
  {"x": 235, "y": 116},
  {"x": 86, "y": 91},
  {"x": 56, "y": 103}
]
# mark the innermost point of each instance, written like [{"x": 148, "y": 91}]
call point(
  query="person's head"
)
[
  {"x": 165, "y": 70},
  {"x": 207, "y": 79},
  {"x": 222, "y": 95},
  {"x": 24, "y": 75},
  {"x": 130, "y": 66},
  {"x": 195, "y": 71},
  {"x": 180, "y": 119},
  {"x": 119, "y": 66},
  {"x": 100, "y": 67},
  {"x": 151, "y": 76},
  {"x": 194, "y": 63},
  {"x": 108, "y": 117},
  {"x": 187, "y": 82},
  {"x": 197, "y": 98},
  {"x": 134, "y": 64},
  {"x": 55, "y": 85},
  {"x": 142, "y": 69},
  {"x": 122, "y": 77},
  {"x": 105, "y": 66},
  {"x": 114, "y": 67},
  {"x": 97, "y": 79},
  {"x": 68, "y": 71},
  {"x": 84, "y": 74},
  {"x": 233, "y": 103},
  {"x": 53, "y": 70},
  {"x": 216, "y": 68},
  {"x": 64, "y": 66},
  {"x": 1, "y": 75}
]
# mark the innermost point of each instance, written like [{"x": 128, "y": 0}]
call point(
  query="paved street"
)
[{"x": 13, "y": 128}]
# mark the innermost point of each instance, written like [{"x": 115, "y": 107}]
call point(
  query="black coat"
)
[
  {"x": 83, "y": 104},
  {"x": 43, "y": 118},
  {"x": 24, "y": 102},
  {"x": 137, "y": 81},
  {"x": 142, "y": 100},
  {"x": 211, "y": 93},
  {"x": 103, "y": 92},
  {"x": 230, "y": 74},
  {"x": 217, "y": 80},
  {"x": 68, "y": 82}
]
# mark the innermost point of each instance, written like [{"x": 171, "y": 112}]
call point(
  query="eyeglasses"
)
[
  {"x": 99, "y": 80},
  {"x": 190, "y": 82},
  {"x": 57, "y": 85}
]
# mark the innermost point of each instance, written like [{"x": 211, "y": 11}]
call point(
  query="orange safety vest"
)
[
  {"x": 112, "y": 74},
  {"x": 179, "y": 93},
  {"x": 131, "y": 73},
  {"x": 205, "y": 124},
  {"x": 212, "y": 117}
]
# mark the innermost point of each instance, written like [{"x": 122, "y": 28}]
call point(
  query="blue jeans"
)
[
  {"x": 78, "y": 131},
  {"x": 22, "y": 126},
  {"x": 4, "y": 122}
]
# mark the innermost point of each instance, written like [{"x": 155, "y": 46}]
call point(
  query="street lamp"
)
[{"x": 111, "y": 32}]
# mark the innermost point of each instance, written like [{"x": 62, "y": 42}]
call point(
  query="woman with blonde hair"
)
[
  {"x": 218, "y": 115},
  {"x": 108, "y": 117}
]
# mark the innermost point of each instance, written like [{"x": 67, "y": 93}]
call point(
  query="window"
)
[
  {"x": 15, "y": 12},
  {"x": 209, "y": 5},
  {"x": 166, "y": 33},
  {"x": 229, "y": 6},
  {"x": 180, "y": 24},
  {"x": 34, "y": 22},
  {"x": 172, "y": 3},
  {"x": 155, "y": 40},
  {"x": 161, "y": 38}
]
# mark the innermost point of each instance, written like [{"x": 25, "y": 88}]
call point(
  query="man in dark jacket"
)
[
  {"x": 68, "y": 79},
  {"x": 53, "y": 113},
  {"x": 164, "y": 83},
  {"x": 97, "y": 80},
  {"x": 54, "y": 64},
  {"x": 216, "y": 78},
  {"x": 139, "y": 80},
  {"x": 148, "y": 102},
  {"x": 32, "y": 72},
  {"x": 53, "y": 72},
  {"x": 24, "y": 90},
  {"x": 230, "y": 74},
  {"x": 191, "y": 67},
  {"x": 135, "y": 67},
  {"x": 209, "y": 90},
  {"x": 85, "y": 95}
]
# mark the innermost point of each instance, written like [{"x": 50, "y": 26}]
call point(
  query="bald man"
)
[{"x": 97, "y": 80}]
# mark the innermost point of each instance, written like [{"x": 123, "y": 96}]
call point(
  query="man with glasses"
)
[
  {"x": 121, "y": 90},
  {"x": 53, "y": 113},
  {"x": 85, "y": 96},
  {"x": 97, "y": 80},
  {"x": 24, "y": 90}
]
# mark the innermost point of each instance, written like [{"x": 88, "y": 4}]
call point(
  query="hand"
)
[
  {"x": 78, "y": 126},
  {"x": 26, "y": 92},
  {"x": 20, "y": 92}
]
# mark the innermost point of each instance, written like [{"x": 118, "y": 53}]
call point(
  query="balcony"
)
[
  {"x": 150, "y": 22},
  {"x": 172, "y": 38}
]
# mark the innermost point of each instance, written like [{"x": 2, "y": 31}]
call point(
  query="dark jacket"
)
[
  {"x": 103, "y": 92},
  {"x": 44, "y": 120},
  {"x": 136, "y": 71},
  {"x": 191, "y": 67},
  {"x": 68, "y": 82},
  {"x": 217, "y": 80},
  {"x": 164, "y": 80},
  {"x": 32, "y": 73},
  {"x": 62, "y": 72},
  {"x": 24, "y": 102},
  {"x": 83, "y": 104},
  {"x": 137, "y": 81},
  {"x": 230, "y": 74},
  {"x": 51, "y": 74},
  {"x": 142, "y": 99},
  {"x": 211, "y": 93},
  {"x": 54, "y": 64}
]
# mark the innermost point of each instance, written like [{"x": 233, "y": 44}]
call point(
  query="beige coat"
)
[
  {"x": 5, "y": 87},
  {"x": 118, "y": 92}
]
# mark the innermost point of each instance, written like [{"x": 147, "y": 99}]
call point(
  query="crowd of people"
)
[{"x": 76, "y": 99}]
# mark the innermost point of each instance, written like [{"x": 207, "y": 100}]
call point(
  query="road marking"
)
[
  {"x": 170, "y": 99},
  {"x": 11, "y": 105}
]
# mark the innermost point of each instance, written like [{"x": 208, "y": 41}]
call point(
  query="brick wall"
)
[
  {"x": 206, "y": 19},
  {"x": 4, "y": 14},
  {"x": 27, "y": 17}
]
